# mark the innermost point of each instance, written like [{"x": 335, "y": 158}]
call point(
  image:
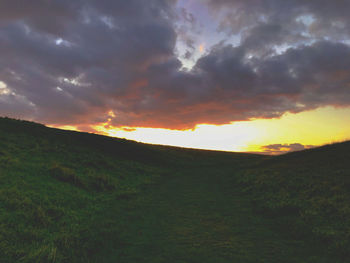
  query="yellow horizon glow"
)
[{"x": 316, "y": 127}]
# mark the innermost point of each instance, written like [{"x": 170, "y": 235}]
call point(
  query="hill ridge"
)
[{"x": 67, "y": 196}]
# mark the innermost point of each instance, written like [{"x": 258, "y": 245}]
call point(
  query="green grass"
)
[
  {"x": 308, "y": 191},
  {"x": 77, "y": 197}
]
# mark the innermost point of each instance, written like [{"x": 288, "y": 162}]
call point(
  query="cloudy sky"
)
[{"x": 254, "y": 75}]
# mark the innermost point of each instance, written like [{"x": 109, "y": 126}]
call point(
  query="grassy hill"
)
[{"x": 75, "y": 197}]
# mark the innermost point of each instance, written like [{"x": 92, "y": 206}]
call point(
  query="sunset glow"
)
[
  {"x": 256, "y": 76},
  {"x": 313, "y": 128}
]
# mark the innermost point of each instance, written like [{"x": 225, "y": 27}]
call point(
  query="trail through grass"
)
[{"x": 201, "y": 217}]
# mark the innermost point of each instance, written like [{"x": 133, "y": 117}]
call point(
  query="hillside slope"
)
[
  {"x": 76, "y": 197},
  {"x": 309, "y": 191}
]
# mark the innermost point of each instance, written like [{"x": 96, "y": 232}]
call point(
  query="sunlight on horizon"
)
[
  {"x": 231, "y": 137},
  {"x": 316, "y": 127}
]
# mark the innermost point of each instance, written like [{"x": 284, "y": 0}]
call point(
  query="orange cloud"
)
[{"x": 201, "y": 48}]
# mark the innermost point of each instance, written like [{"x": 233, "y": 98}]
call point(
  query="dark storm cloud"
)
[
  {"x": 100, "y": 51},
  {"x": 72, "y": 62},
  {"x": 48, "y": 16}
]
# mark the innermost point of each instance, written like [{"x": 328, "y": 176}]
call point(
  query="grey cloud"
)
[
  {"x": 187, "y": 29},
  {"x": 269, "y": 23},
  {"x": 224, "y": 86},
  {"x": 248, "y": 12},
  {"x": 120, "y": 56},
  {"x": 48, "y": 16},
  {"x": 106, "y": 56}
]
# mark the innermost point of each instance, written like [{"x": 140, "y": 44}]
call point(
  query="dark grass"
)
[
  {"x": 77, "y": 197},
  {"x": 309, "y": 191}
]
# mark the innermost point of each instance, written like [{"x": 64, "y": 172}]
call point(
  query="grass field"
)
[{"x": 76, "y": 197}]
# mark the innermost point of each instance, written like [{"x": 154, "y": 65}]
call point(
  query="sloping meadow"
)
[
  {"x": 308, "y": 191},
  {"x": 58, "y": 195},
  {"x": 64, "y": 195}
]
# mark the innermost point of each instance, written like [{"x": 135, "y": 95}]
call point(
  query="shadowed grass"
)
[{"x": 78, "y": 197}]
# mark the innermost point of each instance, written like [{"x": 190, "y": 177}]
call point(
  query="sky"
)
[{"x": 265, "y": 76}]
